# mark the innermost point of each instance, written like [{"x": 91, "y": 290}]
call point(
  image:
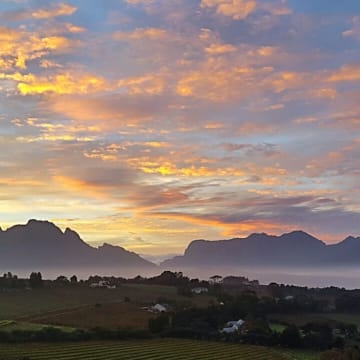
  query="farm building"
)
[
  {"x": 159, "y": 308},
  {"x": 232, "y": 326}
]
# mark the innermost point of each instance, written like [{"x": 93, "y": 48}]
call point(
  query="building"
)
[
  {"x": 159, "y": 308},
  {"x": 199, "y": 290},
  {"x": 232, "y": 326}
]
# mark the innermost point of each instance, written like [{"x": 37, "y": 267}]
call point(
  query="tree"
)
[
  {"x": 74, "y": 279},
  {"x": 36, "y": 280},
  {"x": 62, "y": 280},
  {"x": 159, "y": 324},
  {"x": 291, "y": 337}
]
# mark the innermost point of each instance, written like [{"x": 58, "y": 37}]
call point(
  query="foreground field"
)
[{"x": 139, "y": 350}]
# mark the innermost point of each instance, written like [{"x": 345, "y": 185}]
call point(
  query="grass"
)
[
  {"x": 277, "y": 327},
  {"x": 166, "y": 349},
  {"x": 12, "y": 325}
]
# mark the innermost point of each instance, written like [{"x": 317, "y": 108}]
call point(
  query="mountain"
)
[
  {"x": 42, "y": 244},
  {"x": 296, "y": 248}
]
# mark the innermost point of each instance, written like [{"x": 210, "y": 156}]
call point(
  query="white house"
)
[
  {"x": 229, "y": 330},
  {"x": 237, "y": 323},
  {"x": 199, "y": 290},
  {"x": 232, "y": 326},
  {"x": 159, "y": 308}
]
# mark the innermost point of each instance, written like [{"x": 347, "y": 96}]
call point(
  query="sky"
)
[{"x": 150, "y": 123}]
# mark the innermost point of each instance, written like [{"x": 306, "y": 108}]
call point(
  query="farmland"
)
[
  {"x": 30, "y": 303},
  {"x": 140, "y": 350},
  {"x": 109, "y": 316}
]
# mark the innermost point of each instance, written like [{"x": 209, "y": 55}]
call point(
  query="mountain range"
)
[
  {"x": 42, "y": 244},
  {"x": 296, "y": 248}
]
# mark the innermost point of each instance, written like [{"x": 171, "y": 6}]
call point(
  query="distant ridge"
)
[
  {"x": 42, "y": 244},
  {"x": 296, "y": 248}
]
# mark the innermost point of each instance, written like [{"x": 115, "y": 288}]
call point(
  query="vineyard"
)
[{"x": 138, "y": 350}]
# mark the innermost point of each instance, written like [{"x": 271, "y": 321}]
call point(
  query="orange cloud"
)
[
  {"x": 237, "y": 9},
  {"x": 81, "y": 187},
  {"x": 167, "y": 168},
  {"x": 219, "y": 81},
  {"x": 346, "y": 73},
  {"x": 241, "y": 9},
  {"x": 19, "y": 46},
  {"x": 140, "y": 34},
  {"x": 63, "y": 83},
  {"x": 108, "y": 111},
  {"x": 148, "y": 84},
  {"x": 242, "y": 228},
  {"x": 61, "y": 9},
  {"x": 218, "y": 49}
]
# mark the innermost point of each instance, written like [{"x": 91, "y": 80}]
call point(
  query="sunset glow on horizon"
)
[{"x": 150, "y": 123}]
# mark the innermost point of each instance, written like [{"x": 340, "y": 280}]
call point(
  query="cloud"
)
[
  {"x": 61, "y": 9},
  {"x": 62, "y": 83},
  {"x": 218, "y": 49},
  {"x": 349, "y": 72},
  {"x": 355, "y": 30},
  {"x": 241, "y": 9},
  {"x": 141, "y": 34},
  {"x": 56, "y": 10},
  {"x": 237, "y": 9},
  {"x": 18, "y": 47}
]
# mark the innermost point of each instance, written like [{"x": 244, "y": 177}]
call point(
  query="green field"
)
[
  {"x": 12, "y": 325},
  {"x": 139, "y": 350}
]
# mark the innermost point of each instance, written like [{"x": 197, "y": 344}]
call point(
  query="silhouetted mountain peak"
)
[
  {"x": 41, "y": 225},
  {"x": 195, "y": 244},
  {"x": 299, "y": 235},
  {"x": 351, "y": 239},
  {"x": 42, "y": 243},
  {"x": 257, "y": 235}
]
